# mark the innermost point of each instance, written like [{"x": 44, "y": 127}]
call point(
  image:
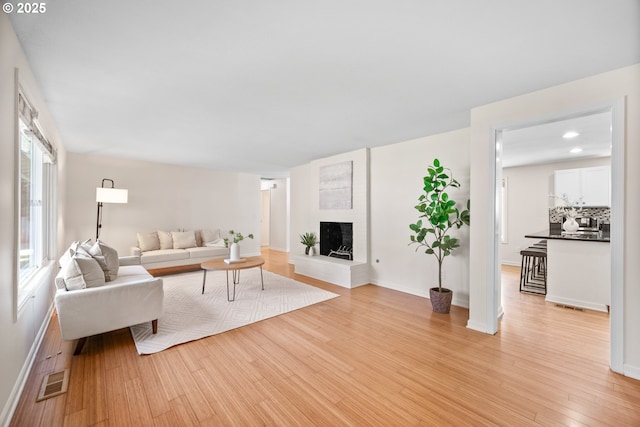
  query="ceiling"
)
[
  {"x": 546, "y": 142},
  {"x": 262, "y": 86}
]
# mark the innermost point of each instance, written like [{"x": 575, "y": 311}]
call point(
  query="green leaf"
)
[{"x": 436, "y": 162}]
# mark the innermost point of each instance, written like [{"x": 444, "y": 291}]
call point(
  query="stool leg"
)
[{"x": 523, "y": 272}]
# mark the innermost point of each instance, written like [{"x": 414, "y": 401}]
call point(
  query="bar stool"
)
[{"x": 533, "y": 270}]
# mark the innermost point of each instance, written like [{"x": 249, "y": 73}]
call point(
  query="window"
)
[
  {"x": 36, "y": 217},
  {"x": 504, "y": 237}
]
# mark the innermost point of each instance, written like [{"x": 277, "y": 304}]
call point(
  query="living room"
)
[{"x": 162, "y": 195}]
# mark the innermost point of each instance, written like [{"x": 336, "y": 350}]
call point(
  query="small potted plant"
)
[
  {"x": 234, "y": 248},
  {"x": 440, "y": 216},
  {"x": 309, "y": 240}
]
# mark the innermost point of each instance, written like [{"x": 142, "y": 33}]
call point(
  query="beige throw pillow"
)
[
  {"x": 148, "y": 241},
  {"x": 183, "y": 239},
  {"x": 107, "y": 257},
  {"x": 80, "y": 273},
  {"x": 209, "y": 236},
  {"x": 166, "y": 241}
]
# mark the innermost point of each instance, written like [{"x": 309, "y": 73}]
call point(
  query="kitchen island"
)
[{"x": 578, "y": 269}]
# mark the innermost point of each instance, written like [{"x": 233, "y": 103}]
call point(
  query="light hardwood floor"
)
[{"x": 372, "y": 357}]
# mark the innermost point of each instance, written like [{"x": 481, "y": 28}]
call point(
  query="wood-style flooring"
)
[{"x": 372, "y": 357}]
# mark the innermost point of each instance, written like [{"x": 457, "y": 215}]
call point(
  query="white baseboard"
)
[
  {"x": 476, "y": 326},
  {"x": 511, "y": 263},
  {"x": 21, "y": 381},
  {"x": 631, "y": 371},
  {"x": 577, "y": 303},
  {"x": 458, "y": 302},
  {"x": 276, "y": 248}
]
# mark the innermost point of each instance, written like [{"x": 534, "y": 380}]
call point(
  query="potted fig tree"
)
[{"x": 438, "y": 216}]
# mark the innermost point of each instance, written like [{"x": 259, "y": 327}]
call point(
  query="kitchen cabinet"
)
[{"x": 588, "y": 186}]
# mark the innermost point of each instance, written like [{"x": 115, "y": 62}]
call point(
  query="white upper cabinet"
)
[{"x": 587, "y": 186}]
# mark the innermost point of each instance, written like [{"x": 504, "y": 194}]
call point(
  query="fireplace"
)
[{"x": 336, "y": 239}]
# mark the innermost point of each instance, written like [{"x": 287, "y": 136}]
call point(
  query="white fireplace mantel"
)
[{"x": 341, "y": 272}]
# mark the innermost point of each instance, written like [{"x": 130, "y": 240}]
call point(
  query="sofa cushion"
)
[
  {"x": 183, "y": 239},
  {"x": 166, "y": 240},
  {"x": 81, "y": 273},
  {"x": 107, "y": 257},
  {"x": 131, "y": 273},
  {"x": 209, "y": 236},
  {"x": 148, "y": 241},
  {"x": 133, "y": 270},
  {"x": 163, "y": 255},
  {"x": 205, "y": 251}
]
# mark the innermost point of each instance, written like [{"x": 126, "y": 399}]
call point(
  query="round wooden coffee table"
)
[{"x": 218, "y": 264}]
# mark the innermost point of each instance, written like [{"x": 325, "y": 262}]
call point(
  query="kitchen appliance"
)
[{"x": 586, "y": 223}]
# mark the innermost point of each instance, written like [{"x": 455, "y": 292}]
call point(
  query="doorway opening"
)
[{"x": 614, "y": 112}]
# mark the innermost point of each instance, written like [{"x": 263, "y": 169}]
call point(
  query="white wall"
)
[
  {"x": 161, "y": 197},
  {"x": 619, "y": 84},
  {"x": 306, "y": 214},
  {"x": 528, "y": 202},
  {"x": 279, "y": 218},
  {"x": 396, "y": 183},
  {"x": 20, "y": 337}
]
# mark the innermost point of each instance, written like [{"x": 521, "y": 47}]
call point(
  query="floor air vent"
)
[
  {"x": 53, "y": 385},
  {"x": 570, "y": 307}
]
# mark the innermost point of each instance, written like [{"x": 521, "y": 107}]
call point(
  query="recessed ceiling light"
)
[
  {"x": 576, "y": 150},
  {"x": 571, "y": 134}
]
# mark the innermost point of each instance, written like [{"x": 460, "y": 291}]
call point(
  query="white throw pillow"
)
[
  {"x": 75, "y": 249},
  {"x": 68, "y": 254},
  {"x": 166, "y": 240},
  {"x": 209, "y": 236},
  {"x": 216, "y": 243},
  {"x": 183, "y": 239},
  {"x": 80, "y": 273},
  {"x": 107, "y": 257},
  {"x": 148, "y": 241}
]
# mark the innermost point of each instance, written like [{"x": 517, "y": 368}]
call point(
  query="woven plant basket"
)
[{"x": 440, "y": 301}]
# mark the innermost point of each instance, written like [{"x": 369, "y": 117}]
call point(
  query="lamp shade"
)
[{"x": 111, "y": 195}]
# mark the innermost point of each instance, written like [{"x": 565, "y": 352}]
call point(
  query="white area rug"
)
[{"x": 189, "y": 315}]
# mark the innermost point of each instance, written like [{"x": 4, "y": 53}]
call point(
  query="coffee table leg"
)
[
  {"x": 261, "y": 278},
  {"x": 204, "y": 279},
  {"x": 234, "y": 287}
]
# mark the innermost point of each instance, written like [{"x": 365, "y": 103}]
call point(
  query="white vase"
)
[
  {"x": 234, "y": 252},
  {"x": 570, "y": 225},
  {"x": 312, "y": 251}
]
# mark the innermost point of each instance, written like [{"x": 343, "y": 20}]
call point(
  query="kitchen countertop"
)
[{"x": 595, "y": 237}]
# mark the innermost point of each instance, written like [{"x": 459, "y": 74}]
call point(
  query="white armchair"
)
[{"x": 133, "y": 297}]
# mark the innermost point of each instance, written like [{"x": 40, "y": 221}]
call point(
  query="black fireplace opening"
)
[{"x": 336, "y": 239}]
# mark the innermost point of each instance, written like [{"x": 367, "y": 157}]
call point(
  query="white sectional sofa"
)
[{"x": 163, "y": 249}]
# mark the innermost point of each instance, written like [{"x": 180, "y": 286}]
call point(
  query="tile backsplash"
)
[{"x": 603, "y": 214}]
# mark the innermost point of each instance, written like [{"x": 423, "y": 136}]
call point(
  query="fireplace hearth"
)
[{"x": 336, "y": 239}]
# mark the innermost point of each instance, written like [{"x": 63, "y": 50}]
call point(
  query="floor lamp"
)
[{"x": 108, "y": 195}]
